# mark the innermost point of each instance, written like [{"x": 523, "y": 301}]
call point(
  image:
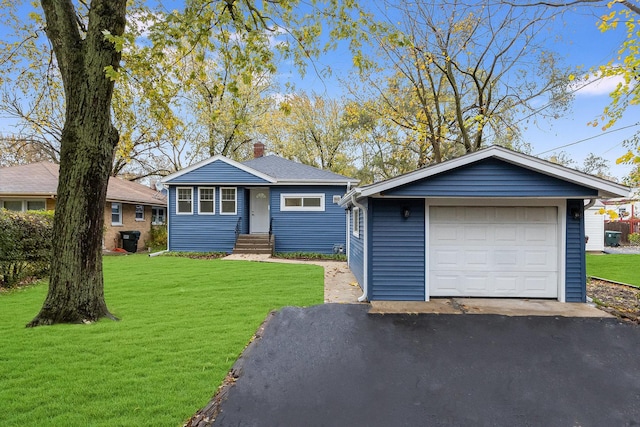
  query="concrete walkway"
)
[{"x": 340, "y": 287}]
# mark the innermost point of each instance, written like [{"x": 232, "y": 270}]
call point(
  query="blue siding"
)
[
  {"x": 356, "y": 251},
  {"x": 576, "y": 274},
  {"x": 203, "y": 233},
  {"x": 218, "y": 173},
  {"x": 397, "y": 251},
  {"x": 491, "y": 178},
  {"x": 309, "y": 231}
]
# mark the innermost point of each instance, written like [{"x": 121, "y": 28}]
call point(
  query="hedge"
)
[{"x": 25, "y": 245}]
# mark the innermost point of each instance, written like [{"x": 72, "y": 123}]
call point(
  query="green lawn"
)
[
  {"x": 183, "y": 324},
  {"x": 619, "y": 268}
]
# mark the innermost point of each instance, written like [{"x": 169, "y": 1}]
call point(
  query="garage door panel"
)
[
  {"x": 445, "y": 234},
  {"x": 506, "y": 234},
  {"x": 497, "y": 251},
  {"x": 538, "y": 260},
  {"x": 506, "y": 284}
]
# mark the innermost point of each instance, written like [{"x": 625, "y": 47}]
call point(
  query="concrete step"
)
[
  {"x": 254, "y": 244},
  {"x": 252, "y": 250}
]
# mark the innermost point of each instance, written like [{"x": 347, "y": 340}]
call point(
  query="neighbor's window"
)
[
  {"x": 12, "y": 205},
  {"x": 207, "y": 196},
  {"x": 24, "y": 205},
  {"x": 355, "y": 214},
  {"x": 157, "y": 215},
  {"x": 302, "y": 202},
  {"x": 184, "y": 202},
  {"x": 139, "y": 213},
  {"x": 36, "y": 205},
  {"x": 116, "y": 213},
  {"x": 228, "y": 201}
]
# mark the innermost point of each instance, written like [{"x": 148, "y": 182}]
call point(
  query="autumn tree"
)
[
  {"x": 32, "y": 95},
  {"x": 460, "y": 75},
  {"x": 87, "y": 142},
  {"x": 30, "y": 87},
  {"x": 614, "y": 15},
  {"x": 310, "y": 129},
  {"x": 87, "y": 41}
]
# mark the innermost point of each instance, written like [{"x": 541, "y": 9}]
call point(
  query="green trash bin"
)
[
  {"x": 130, "y": 240},
  {"x": 612, "y": 238}
]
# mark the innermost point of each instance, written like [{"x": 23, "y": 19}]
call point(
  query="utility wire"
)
[{"x": 591, "y": 137}]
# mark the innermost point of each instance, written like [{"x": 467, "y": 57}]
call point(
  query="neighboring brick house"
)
[{"x": 129, "y": 206}]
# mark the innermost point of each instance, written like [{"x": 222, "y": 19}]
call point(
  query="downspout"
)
[
  {"x": 365, "y": 278},
  {"x": 588, "y": 205},
  {"x": 158, "y": 253}
]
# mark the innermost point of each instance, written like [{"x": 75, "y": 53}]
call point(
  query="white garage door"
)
[{"x": 493, "y": 251}]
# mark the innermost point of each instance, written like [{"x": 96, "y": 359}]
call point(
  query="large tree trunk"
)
[{"x": 88, "y": 140}]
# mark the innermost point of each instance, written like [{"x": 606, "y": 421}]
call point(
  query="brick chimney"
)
[{"x": 258, "y": 149}]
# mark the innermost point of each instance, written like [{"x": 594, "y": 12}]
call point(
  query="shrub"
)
[
  {"x": 634, "y": 239},
  {"x": 311, "y": 256},
  {"x": 25, "y": 245},
  {"x": 158, "y": 236}
]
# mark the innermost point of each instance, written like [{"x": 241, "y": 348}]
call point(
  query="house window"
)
[
  {"x": 36, "y": 205},
  {"x": 157, "y": 215},
  {"x": 207, "y": 198},
  {"x": 302, "y": 202},
  {"x": 184, "y": 203},
  {"x": 116, "y": 213},
  {"x": 24, "y": 205},
  {"x": 12, "y": 205},
  {"x": 139, "y": 213},
  {"x": 228, "y": 205},
  {"x": 355, "y": 214}
]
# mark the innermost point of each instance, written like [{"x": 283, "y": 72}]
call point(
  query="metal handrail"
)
[
  {"x": 238, "y": 228},
  {"x": 270, "y": 228}
]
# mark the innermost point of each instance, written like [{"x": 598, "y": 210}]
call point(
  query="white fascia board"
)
[
  {"x": 605, "y": 188},
  {"x": 218, "y": 157}
]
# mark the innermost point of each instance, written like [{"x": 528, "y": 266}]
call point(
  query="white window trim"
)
[
  {"x": 164, "y": 215},
  {"x": 136, "y": 213},
  {"x": 212, "y": 200},
  {"x": 284, "y": 208},
  {"x": 119, "y": 211},
  {"x": 178, "y": 201},
  {"x": 355, "y": 218},
  {"x": 235, "y": 206}
]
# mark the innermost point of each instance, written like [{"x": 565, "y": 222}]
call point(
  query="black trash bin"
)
[
  {"x": 612, "y": 238},
  {"x": 130, "y": 240}
]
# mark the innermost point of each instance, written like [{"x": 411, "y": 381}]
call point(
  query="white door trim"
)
[
  {"x": 259, "y": 221},
  {"x": 560, "y": 204}
]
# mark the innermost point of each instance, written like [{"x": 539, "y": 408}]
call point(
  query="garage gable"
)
[{"x": 491, "y": 178}]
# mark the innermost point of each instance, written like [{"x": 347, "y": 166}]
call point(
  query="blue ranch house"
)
[{"x": 220, "y": 205}]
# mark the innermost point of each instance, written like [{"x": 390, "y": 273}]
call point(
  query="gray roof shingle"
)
[
  {"x": 41, "y": 179},
  {"x": 287, "y": 170}
]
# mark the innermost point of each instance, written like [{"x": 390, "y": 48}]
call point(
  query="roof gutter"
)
[{"x": 365, "y": 278}]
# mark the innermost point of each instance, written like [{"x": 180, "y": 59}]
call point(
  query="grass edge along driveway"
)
[
  {"x": 183, "y": 324},
  {"x": 618, "y": 268}
]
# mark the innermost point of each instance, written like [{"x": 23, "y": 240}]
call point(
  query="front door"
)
[{"x": 259, "y": 222}]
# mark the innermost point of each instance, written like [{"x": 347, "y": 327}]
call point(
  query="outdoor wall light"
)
[
  {"x": 576, "y": 213},
  {"x": 406, "y": 212}
]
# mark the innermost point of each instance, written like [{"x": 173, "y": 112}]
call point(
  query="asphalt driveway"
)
[{"x": 336, "y": 365}]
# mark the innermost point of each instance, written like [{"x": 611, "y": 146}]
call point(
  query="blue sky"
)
[{"x": 582, "y": 44}]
